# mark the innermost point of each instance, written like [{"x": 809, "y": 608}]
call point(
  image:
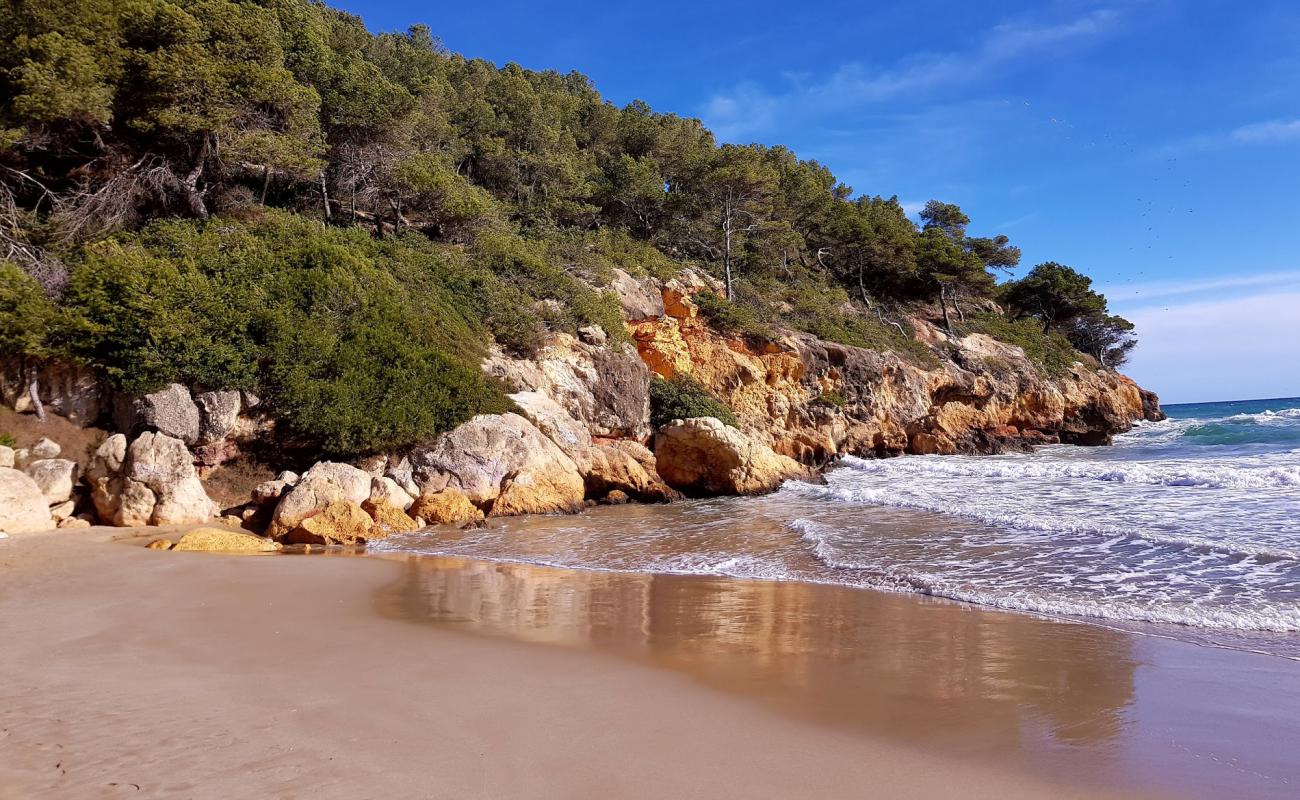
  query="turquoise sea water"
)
[{"x": 1188, "y": 527}]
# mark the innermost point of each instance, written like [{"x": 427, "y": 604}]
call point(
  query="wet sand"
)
[{"x": 199, "y": 675}]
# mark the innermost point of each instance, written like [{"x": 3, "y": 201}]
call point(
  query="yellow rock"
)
[
  {"x": 389, "y": 516},
  {"x": 221, "y": 540},
  {"x": 160, "y": 544},
  {"x": 449, "y": 505},
  {"x": 342, "y": 522}
]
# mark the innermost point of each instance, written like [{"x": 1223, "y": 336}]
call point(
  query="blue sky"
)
[{"x": 1153, "y": 144}]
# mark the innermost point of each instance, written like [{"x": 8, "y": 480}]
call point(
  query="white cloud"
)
[
  {"x": 1233, "y": 349},
  {"x": 749, "y": 107},
  {"x": 1267, "y": 132},
  {"x": 1256, "y": 134},
  {"x": 1146, "y": 293}
]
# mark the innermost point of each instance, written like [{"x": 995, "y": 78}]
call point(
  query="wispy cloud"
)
[
  {"x": 749, "y": 107},
  {"x": 1218, "y": 349},
  {"x": 1153, "y": 292},
  {"x": 1256, "y": 134}
]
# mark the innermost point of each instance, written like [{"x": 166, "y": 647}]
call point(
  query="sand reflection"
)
[{"x": 926, "y": 670}]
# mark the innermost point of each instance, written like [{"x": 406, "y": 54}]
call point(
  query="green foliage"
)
[
  {"x": 682, "y": 397},
  {"x": 1048, "y": 350},
  {"x": 7, "y": 440},
  {"x": 27, "y": 317},
  {"x": 356, "y": 344},
  {"x": 1055, "y": 294}
]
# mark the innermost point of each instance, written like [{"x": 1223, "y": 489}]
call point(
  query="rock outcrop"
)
[
  {"x": 814, "y": 400},
  {"x": 702, "y": 456},
  {"x": 607, "y": 388},
  {"x": 503, "y": 465},
  {"x": 170, "y": 411},
  {"x": 22, "y": 506},
  {"x": 324, "y": 484},
  {"x": 151, "y": 482},
  {"x": 342, "y": 522},
  {"x": 629, "y": 468}
]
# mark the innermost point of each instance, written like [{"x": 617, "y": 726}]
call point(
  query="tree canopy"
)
[{"x": 130, "y": 128}]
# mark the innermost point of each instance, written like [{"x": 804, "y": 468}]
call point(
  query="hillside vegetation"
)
[{"x": 264, "y": 195}]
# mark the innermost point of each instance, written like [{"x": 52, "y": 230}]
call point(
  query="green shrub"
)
[
  {"x": 7, "y": 440},
  {"x": 736, "y": 318},
  {"x": 356, "y": 344},
  {"x": 1050, "y": 351},
  {"x": 683, "y": 397},
  {"x": 829, "y": 315}
]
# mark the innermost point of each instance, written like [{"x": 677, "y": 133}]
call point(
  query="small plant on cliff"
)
[
  {"x": 682, "y": 397},
  {"x": 7, "y": 440},
  {"x": 739, "y": 317}
]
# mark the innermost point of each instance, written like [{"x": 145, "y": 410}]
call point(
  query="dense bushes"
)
[
  {"x": 683, "y": 397},
  {"x": 356, "y": 344},
  {"x": 1049, "y": 350}
]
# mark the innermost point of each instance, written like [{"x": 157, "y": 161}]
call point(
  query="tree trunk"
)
[
  {"x": 325, "y": 198},
  {"x": 190, "y": 183},
  {"x": 266, "y": 183},
  {"x": 943, "y": 303},
  {"x": 34, "y": 391},
  {"x": 726, "y": 247}
]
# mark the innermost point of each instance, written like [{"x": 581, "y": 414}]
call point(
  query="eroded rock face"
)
[
  {"x": 387, "y": 490},
  {"x": 56, "y": 477},
  {"x": 503, "y": 465},
  {"x": 702, "y": 456},
  {"x": 325, "y": 483},
  {"x": 605, "y": 388},
  {"x": 22, "y": 506},
  {"x": 640, "y": 297},
  {"x": 814, "y": 400},
  {"x": 170, "y": 411},
  {"x": 67, "y": 390},
  {"x": 7, "y": 457},
  {"x": 388, "y": 517}
]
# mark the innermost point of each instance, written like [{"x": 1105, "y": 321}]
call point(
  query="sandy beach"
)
[{"x": 134, "y": 673}]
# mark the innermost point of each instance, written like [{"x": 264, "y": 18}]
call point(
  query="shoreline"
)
[{"x": 205, "y": 675}]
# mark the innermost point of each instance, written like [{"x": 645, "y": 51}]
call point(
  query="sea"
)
[{"x": 1187, "y": 528}]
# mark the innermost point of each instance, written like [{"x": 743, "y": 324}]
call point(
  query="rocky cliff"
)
[{"x": 582, "y": 430}]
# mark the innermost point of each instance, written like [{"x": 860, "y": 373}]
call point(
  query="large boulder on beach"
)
[
  {"x": 150, "y": 482},
  {"x": 55, "y": 476},
  {"x": 325, "y": 483},
  {"x": 22, "y": 506},
  {"x": 164, "y": 465},
  {"x": 702, "y": 456},
  {"x": 341, "y": 522},
  {"x": 170, "y": 411},
  {"x": 503, "y": 465}
]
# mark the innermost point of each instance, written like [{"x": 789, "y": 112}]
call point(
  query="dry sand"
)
[{"x": 126, "y": 672}]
